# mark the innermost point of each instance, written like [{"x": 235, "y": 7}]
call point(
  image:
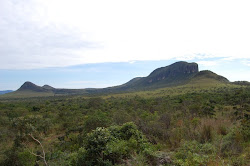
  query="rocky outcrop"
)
[{"x": 177, "y": 70}]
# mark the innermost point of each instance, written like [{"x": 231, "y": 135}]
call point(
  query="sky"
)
[{"x": 96, "y": 43}]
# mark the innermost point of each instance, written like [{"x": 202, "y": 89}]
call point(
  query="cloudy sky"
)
[{"x": 97, "y": 43}]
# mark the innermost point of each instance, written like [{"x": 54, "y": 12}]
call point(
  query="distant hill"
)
[
  {"x": 29, "y": 89},
  {"x": 209, "y": 77},
  {"x": 48, "y": 87},
  {"x": 29, "y": 86},
  {"x": 172, "y": 75},
  {"x": 241, "y": 83},
  {"x": 179, "y": 73},
  {"x": 5, "y": 91}
]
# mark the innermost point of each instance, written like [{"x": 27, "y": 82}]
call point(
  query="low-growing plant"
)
[
  {"x": 25, "y": 158},
  {"x": 194, "y": 153},
  {"x": 206, "y": 133},
  {"x": 107, "y": 146}
]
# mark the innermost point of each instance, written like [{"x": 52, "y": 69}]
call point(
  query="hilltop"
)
[
  {"x": 29, "y": 86},
  {"x": 174, "y": 74}
]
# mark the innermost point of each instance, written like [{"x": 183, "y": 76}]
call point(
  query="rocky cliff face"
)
[{"x": 175, "y": 71}]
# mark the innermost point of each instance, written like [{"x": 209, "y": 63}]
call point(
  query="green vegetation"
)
[
  {"x": 205, "y": 120},
  {"x": 197, "y": 124}
]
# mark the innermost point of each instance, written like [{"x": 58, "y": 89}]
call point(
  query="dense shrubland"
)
[{"x": 198, "y": 127}]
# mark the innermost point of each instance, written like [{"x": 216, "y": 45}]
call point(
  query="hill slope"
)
[
  {"x": 244, "y": 83},
  {"x": 48, "y": 87},
  {"x": 29, "y": 89},
  {"x": 208, "y": 77}
]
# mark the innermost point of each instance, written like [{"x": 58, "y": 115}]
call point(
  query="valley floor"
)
[{"x": 196, "y": 124}]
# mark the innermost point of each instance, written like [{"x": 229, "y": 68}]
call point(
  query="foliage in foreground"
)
[
  {"x": 198, "y": 127},
  {"x": 108, "y": 146}
]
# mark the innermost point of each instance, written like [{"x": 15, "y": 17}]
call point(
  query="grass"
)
[
  {"x": 26, "y": 94},
  {"x": 199, "y": 86}
]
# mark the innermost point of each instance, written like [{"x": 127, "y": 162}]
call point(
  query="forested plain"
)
[{"x": 182, "y": 126}]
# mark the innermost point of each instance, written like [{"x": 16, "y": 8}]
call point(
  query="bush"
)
[
  {"x": 25, "y": 158},
  {"x": 206, "y": 133},
  {"x": 222, "y": 130},
  {"x": 239, "y": 161},
  {"x": 231, "y": 144},
  {"x": 118, "y": 149},
  {"x": 194, "y": 153},
  {"x": 245, "y": 129},
  {"x": 97, "y": 119},
  {"x": 107, "y": 146}
]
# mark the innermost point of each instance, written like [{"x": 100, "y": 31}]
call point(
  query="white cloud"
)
[
  {"x": 246, "y": 62},
  {"x": 132, "y": 62},
  {"x": 46, "y": 33},
  {"x": 208, "y": 63}
]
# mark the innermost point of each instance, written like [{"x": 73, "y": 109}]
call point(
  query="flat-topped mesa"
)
[{"x": 178, "y": 70}]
